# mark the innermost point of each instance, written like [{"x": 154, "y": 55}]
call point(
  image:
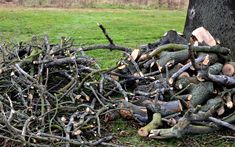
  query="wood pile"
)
[
  {"x": 178, "y": 87},
  {"x": 54, "y": 94}
]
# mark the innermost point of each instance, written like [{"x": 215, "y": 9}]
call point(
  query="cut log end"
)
[
  {"x": 180, "y": 106},
  {"x": 192, "y": 68},
  {"x": 189, "y": 97},
  {"x": 143, "y": 132},
  {"x": 203, "y": 35},
  {"x": 229, "y": 104},
  {"x": 171, "y": 81},
  {"x": 180, "y": 86},
  {"x": 126, "y": 114},
  {"x": 206, "y": 61},
  {"x": 143, "y": 57},
  {"x": 172, "y": 122},
  {"x": 215, "y": 92},
  {"x": 184, "y": 75},
  {"x": 159, "y": 67},
  {"x": 200, "y": 78},
  {"x": 122, "y": 67},
  {"x": 155, "y": 123},
  {"x": 228, "y": 70},
  {"x": 221, "y": 110},
  {"x": 135, "y": 54}
]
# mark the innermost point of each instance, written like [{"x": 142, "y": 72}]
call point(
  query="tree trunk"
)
[{"x": 217, "y": 16}]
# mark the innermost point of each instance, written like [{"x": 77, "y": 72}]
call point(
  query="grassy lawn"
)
[{"x": 127, "y": 27}]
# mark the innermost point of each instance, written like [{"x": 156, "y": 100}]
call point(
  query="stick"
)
[
  {"x": 105, "y": 33},
  {"x": 222, "y": 123},
  {"x": 222, "y": 79},
  {"x": 192, "y": 56},
  {"x": 110, "y": 47},
  {"x": 175, "y": 47},
  {"x": 155, "y": 123},
  {"x": 184, "y": 68}
]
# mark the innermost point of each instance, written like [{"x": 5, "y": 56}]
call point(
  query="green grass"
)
[{"x": 127, "y": 27}]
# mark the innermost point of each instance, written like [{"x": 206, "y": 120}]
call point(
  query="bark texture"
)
[{"x": 217, "y": 16}]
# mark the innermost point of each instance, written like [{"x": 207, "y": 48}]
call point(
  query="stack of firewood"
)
[
  {"x": 53, "y": 94},
  {"x": 176, "y": 87}
]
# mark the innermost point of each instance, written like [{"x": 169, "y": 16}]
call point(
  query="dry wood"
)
[
  {"x": 228, "y": 100},
  {"x": 201, "y": 93},
  {"x": 66, "y": 96},
  {"x": 182, "y": 83},
  {"x": 181, "y": 127},
  {"x": 222, "y": 79},
  {"x": 221, "y": 110},
  {"x": 184, "y": 75},
  {"x": 155, "y": 123},
  {"x": 222, "y": 123},
  {"x": 229, "y": 69},
  {"x": 167, "y": 47},
  {"x": 174, "y": 47},
  {"x": 129, "y": 109},
  {"x": 213, "y": 69},
  {"x": 135, "y": 54},
  {"x": 164, "y": 108},
  {"x": 175, "y": 57},
  {"x": 203, "y": 36},
  {"x": 184, "y": 68},
  {"x": 212, "y": 102}
]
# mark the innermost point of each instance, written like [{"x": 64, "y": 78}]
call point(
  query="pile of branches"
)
[
  {"x": 54, "y": 94},
  {"x": 176, "y": 87},
  {"x": 49, "y": 95}
]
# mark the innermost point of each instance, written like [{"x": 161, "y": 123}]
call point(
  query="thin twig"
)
[{"x": 106, "y": 34}]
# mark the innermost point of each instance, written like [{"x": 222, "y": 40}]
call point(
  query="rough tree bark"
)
[{"x": 217, "y": 16}]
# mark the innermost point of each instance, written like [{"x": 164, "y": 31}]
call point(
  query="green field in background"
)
[{"x": 130, "y": 28}]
